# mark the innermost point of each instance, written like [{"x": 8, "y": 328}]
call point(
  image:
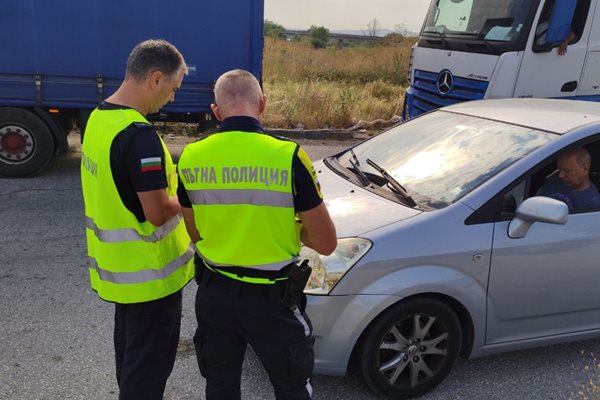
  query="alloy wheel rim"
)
[{"x": 412, "y": 351}]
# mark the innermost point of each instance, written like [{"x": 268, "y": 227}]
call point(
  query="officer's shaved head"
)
[{"x": 237, "y": 88}]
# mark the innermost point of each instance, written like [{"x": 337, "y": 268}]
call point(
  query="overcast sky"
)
[{"x": 346, "y": 14}]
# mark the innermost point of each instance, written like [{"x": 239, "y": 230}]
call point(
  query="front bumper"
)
[{"x": 338, "y": 322}]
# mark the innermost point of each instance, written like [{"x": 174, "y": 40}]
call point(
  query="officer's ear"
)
[
  {"x": 262, "y": 104},
  {"x": 216, "y": 111},
  {"x": 155, "y": 79}
]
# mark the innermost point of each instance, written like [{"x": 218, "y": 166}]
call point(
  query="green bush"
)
[
  {"x": 273, "y": 30},
  {"x": 320, "y": 36}
]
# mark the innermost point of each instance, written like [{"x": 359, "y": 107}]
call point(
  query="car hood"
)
[{"x": 354, "y": 210}]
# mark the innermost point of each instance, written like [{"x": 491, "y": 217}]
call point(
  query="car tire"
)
[
  {"x": 398, "y": 360},
  {"x": 26, "y": 143}
]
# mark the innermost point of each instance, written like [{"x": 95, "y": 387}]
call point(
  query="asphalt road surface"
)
[{"x": 56, "y": 335}]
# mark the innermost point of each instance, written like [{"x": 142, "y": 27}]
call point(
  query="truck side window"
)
[
  {"x": 562, "y": 33},
  {"x": 542, "y": 27},
  {"x": 579, "y": 18}
]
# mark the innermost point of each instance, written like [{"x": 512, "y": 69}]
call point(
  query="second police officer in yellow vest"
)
[{"x": 241, "y": 191}]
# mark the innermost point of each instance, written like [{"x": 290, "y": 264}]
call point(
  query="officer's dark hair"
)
[{"x": 154, "y": 55}]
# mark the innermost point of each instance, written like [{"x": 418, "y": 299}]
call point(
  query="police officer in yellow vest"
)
[
  {"x": 240, "y": 191},
  {"x": 140, "y": 255}
]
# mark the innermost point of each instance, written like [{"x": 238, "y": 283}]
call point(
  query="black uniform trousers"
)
[
  {"x": 146, "y": 338},
  {"x": 232, "y": 314}
]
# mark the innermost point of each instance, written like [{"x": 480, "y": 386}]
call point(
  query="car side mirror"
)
[{"x": 537, "y": 209}]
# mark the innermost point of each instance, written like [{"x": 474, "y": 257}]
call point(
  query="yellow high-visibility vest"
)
[
  {"x": 129, "y": 261},
  {"x": 240, "y": 185}
]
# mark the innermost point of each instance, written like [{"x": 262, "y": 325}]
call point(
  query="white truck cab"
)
[{"x": 486, "y": 49}]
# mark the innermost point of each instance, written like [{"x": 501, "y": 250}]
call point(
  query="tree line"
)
[{"x": 320, "y": 34}]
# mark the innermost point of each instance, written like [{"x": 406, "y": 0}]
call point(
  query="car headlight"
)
[{"x": 328, "y": 270}]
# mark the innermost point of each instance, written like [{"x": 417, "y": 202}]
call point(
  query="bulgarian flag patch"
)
[{"x": 151, "y": 164}]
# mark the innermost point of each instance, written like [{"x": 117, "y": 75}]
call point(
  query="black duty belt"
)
[{"x": 243, "y": 272}]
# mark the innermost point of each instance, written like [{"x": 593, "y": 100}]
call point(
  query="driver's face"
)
[{"x": 572, "y": 173}]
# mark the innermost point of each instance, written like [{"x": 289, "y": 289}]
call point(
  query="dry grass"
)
[{"x": 332, "y": 88}]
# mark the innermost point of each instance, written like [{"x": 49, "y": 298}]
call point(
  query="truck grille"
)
[{"x": 426, "y": 96}]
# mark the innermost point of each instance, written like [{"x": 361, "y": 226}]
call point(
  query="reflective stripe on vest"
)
[
  {"x": 127, "y": 235},
  {"x": 143, "y": 275},
  {"x": 276, "y": 266},
  {"x": 241, "y": 196}
]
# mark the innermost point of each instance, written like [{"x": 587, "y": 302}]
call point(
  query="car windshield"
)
[
  {"x": 442, "y": 156},
  {"x": 491, "y": 20}
]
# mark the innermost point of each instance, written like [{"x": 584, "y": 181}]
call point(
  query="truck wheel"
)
[
  {"x": 26, "y": 144},
  {"x": 410, "y": 349}
]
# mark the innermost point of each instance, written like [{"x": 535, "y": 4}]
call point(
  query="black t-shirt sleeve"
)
[
  {"x": 307, "y": 190},
  {"x": 137, "y": 164},
  {"x": 145, "y": 159}
]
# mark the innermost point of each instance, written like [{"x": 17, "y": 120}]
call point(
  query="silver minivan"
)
[{"x": 444, "y": 248}]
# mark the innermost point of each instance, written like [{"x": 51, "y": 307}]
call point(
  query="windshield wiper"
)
[
  {"x": 354, "y": 157},
  {"x": 485, "y": 44},
  {"x": 362, "y": 177},
  {"x": 442, "y": 36},
  {"x": 398, "y": 188}
]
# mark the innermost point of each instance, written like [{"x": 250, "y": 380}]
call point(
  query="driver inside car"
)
[{"x": 571, "y": 182}]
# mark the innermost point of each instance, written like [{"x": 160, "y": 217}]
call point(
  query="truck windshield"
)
[{"x": 490, "y": 22}]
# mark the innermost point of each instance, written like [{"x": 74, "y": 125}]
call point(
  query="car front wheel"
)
[{"x": 410, "y": 349}]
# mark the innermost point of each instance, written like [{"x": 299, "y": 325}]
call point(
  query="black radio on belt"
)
[{"x": 297, "y": 279}]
